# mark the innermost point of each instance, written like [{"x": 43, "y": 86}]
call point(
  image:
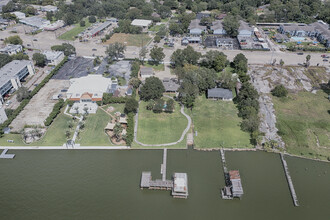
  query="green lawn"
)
[
  {"x": 93, "y": 133},
  {"x": 159, "y": 67},
  {"x": 303, "y": 121},
  {"x": 156, "y": 28},
  {"x": 17, "y": 138},
  {"x": 218, "y": 125},
  {"x": 70, "y": 35},
  {"x": 160, "y": 128}
]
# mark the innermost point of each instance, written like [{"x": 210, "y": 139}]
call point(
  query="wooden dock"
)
[
  {"x": 288, "y": 177},
  {"x": 4, "y": 155},
  {"x": 163, "y": 167},
  {"x": 222, "y": 153}
]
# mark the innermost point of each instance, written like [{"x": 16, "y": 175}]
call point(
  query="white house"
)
[
  {"x": 86, "y": 91},
  {"x": 195, "y": 28},
  {"x": 244, "y": 30},
  {"x": 11, "y": 49},
  {"x": 54, "y": 57},
  {"x": 217, "y": 28}
]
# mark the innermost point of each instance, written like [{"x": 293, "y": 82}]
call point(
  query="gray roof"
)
[
  {"x": 281, "y": 36},
  {"x": 121, "y": 69},
  {"x": 170, "y": 85},
  {"x": 75, "y": 68},
  {"x": 52, "y": 55},
  {"x": 244, "y": 26},
  {"x": 100, "y": 27},
  {"x": 194, "y": 24},
  {"x": 10, "y": 70},
  {"x": 35, "y": 21},
  {"x": 201, "y": 15},
  {"x": 297, "y": 27},
  {"x": 216, "y": 25},
  {"x": 219, "y": 93},
  {"x": 10, "y": 48},
  {"x": 146, "y": 71},
  {"x": 322, "y": 28}
]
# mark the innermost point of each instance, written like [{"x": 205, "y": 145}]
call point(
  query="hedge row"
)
[
  {"x": 27, "y": 100},
  {"x": 130, "y": 129},
  {"x": 108, "y": 99},
  {"x": 56, "y": 110}
]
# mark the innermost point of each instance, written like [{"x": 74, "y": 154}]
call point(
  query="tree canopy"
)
[
  {"x": 40, "y": 59},
  {"x": 66, "y": 48},
  {"x": 14, "y": 40},
  {"x": 157, "y": 54},
  {"x": 152, "y": 89},
  {"x": 115, "y": 50}
]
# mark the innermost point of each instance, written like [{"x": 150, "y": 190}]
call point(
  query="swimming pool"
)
[{"x": 298, "y": 38}]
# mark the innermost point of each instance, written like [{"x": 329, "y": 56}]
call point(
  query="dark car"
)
[
  {"x": 325, "y": 60},
  {"x": 35, "y": 39},
  {"x": 94, "y": 49},
  {"x": 300, "y": 53}
]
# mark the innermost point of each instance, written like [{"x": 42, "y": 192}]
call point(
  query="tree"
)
[
  {"x": 115, "y": 50},
  {"x": 14, "y": 40},
  {"x": 4, "y": 59},
  {"x": 135, "y": 82},
  {"x": 281, "y": 63},
  {"x": 152, "y": 89},
  {"x": 279, "y": 91},
  {"x": 212, "y": 60},
  {"x": 250, "y": 124},
  {"x": 157, "y": 39},
  {"x": 131, "y": 105},
  {"x": 185, "y": 56},
  {"x": 220, "y": 62},
  {"x": 159, "y": 106},
  {"x": 40, "y": 59},
  {"x": 169, "y": 105},
  {"x": 67, "y": 134},
  {"x": 308, "y": 58},
  {"x": 162, "y": 32},
  {"x": 231, "y": 25},
  {"x": 20, "y": 56},
  {"x": 240, "y": 63},
  {"x": 66, "y": 48},
  {"x": 206, "y": 21},
  {"x": 157, "y": 54},
  {"x": 82, "y": 23},
  {"x": 49, "y": 15},
  {"x": 30, "y": 10},
  {"x": 117, "y": 129},
  {"x": 175, "y": 29},
  {"x": 143, "y": 54},
  {"x": 92, "y": 19},
  {"x": 22, "y": 93},
  {"x": 227, "y": 80}
]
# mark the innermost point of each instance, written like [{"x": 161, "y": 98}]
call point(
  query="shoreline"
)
[{"x": 156, "y": 148}]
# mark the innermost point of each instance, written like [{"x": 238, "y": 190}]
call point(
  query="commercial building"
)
[
  {"x": 225, "y": 43},
  {"x": 195, "y": 28},
  {"x": 86, "y": 91},
  {"x": 220, "y": 93},
  {"x": 142, "y": 23},
  {"x": 3, "y": 116},
  {"x": 35, "y": 21},
  {"x": 244, "y": 30},
  {"x": 53, "y": 57},
  {"x": 54, "y": 26},
  {"x": 11, "y": 49},
  {"x": 12, "y": 74},
  {"x": 95, "y": 31}
]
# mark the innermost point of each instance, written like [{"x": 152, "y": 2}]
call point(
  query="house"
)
[
  {"x": 217, "y": 28},
  {"x": 225, "y": 43},
  {"x": 171, "y": 85},
  {"x": 155, "y": 15},
  {"x": 86, "y": 91},
  {"x": 122, "y": 120},
  {"x": 195, "y": 28},
  {"x": 109, "y": 126},
  {"x": 201, "y": 15},
  {"x": 146, "y": 72},
  {"x": 3, "y": 116},
  {"x": 244, "y": 30},
  {"x": 12, "y": 74},
  {"x": 53, "y": 57},
  {"x": 11, "y": 49},
  {"x": 281, "y": 38},
  {"x": 220, "y": 93}
]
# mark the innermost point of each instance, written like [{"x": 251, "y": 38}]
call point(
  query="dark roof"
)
[
  {"x": 194, "y": 24},
  {"x": 170, "y": 85},
  {"x": 219, "y": 93},
  {"x": 200, "y": 15},
  {"x": 75, "y": 68},
  {"x": 216, "y": 25}
]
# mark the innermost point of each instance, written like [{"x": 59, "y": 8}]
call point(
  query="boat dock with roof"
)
[{"x": 178, "y": 185}]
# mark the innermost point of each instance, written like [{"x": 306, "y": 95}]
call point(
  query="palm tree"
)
[
  {"x": 308, "y": 58},
  {"x": 117, "y": 131},
  {"x": 67, "y": 134}
]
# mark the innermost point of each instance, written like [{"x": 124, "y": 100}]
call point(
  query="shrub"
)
[
  {"x": 56, "y": 110},
  {"x": 280, "y": 91},
  {"x": 130, "y": 129}
]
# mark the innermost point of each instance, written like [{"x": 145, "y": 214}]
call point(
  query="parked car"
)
[
  {"x": 8, "y": 103},
  {"x": 35, "y": 39},
  {"x": 325, "y": 60},
  {"x": 94, "y": 49},
  {"x": 300, "y": 53},
  {"x": 28, "y": 45}
]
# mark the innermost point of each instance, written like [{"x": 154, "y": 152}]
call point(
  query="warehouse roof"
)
[{"x": 141, "y": 22}]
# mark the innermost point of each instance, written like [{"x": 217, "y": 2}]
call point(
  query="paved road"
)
[{"x": 167, "y": 144}]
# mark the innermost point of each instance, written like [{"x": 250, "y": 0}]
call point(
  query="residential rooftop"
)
[{"x": 52, "y": 55}]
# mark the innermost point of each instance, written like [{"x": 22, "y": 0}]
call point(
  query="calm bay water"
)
[{"x": 49, "y": 184}]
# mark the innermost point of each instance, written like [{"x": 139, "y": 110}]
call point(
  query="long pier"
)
[
  {"x": 222, "y": 153},
  {"x": 163, "y": 168},
  {"x": 4, "y": 155},
  {"x": 288, "y": 177}
]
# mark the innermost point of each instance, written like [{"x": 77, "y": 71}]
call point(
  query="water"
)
[{"x": 49, "y": 184}]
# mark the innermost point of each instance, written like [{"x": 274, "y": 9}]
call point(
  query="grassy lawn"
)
[
  {"x": 156, "y": 28},
  {"x": 17, "y": 138},
  {"x": 218, "y": 125},
  {"x": 70, "y": 35},
  {"x": 304, "y": 123},
  {"x": 159, "y": 67},
  {"x": 129, "y": 39},
  {"x": 93, "y": 133},
  {"x": 154, "y": 128}
]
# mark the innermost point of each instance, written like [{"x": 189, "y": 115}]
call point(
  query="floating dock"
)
[
  {"x": 4, "y": 155},
  {"x": 179, "y": 184},
  {"x": 288, "y": 177}
]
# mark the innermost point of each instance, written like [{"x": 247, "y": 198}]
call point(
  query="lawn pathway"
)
[{"x": 167, "y": 144}]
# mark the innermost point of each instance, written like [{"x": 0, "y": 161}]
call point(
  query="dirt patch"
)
[{"x": 40, "y": 106}]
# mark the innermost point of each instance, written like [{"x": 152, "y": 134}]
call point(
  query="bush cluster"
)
[
  {"x": 56, "y": 110},
  {"x": 108, "y": 99},
  {"x": 130, "y": 129}
]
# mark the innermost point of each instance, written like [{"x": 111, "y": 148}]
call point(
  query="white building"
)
[
  {"x": 141, "y": 23},
  {"x": 18, "y": 14},
  {"x": 11, "y": 49},
  {"x": 54, "y": 57},
  {"x": 12, "y": 74},
  {"x": 3, "y": 116},
  {"x": 35, "y": 21},
  {"x": 180, "y": 185},
  {"x": 54, "y": 26},
  {"x": 86, "y": 91}
]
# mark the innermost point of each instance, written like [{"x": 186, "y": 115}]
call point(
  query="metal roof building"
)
[
  {"x": 35, "y": 22},
  {"x": 141, "y": 22},
  {"x": 11, "y": 49},
  {"x": 220, "y": 93}
]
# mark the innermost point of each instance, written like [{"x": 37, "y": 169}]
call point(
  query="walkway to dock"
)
[
  {"x": 222, "y": 152},
  {"x": 4, "y": 155},
  {"x": 288, "y": 177},
  {"x": 163, "y": 168}
]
